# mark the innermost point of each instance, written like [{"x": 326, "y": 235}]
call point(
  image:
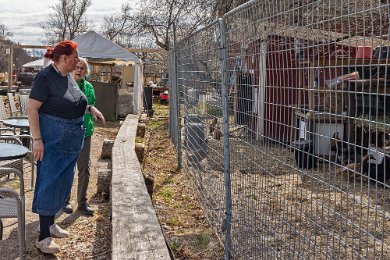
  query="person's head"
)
[
  {"x": 65, "y": 55},
  {"x": 81, "y": 70}
]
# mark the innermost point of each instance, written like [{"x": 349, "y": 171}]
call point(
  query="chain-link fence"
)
[{"x": 281, "y": 108}]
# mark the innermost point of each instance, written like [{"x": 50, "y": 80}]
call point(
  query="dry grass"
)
[{"x": 182, "y": 220}]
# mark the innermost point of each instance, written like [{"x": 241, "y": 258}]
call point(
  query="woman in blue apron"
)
[{"x": 56, "y": 109}]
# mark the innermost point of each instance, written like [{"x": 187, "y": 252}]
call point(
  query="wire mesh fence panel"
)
[
  {"x": 304, "y": 76},
  {"x": 309, "y": 138},
  {"x": 199, "y": 77}
]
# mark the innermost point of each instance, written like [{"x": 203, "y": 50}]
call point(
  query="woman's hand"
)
[
  {"x": 33, "y": 120},
  {"x": 38, "y": 150},
  {"x": 98, "y": 115}
]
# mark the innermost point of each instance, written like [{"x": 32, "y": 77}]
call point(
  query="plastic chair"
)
[
  {"x": 3, "y": 111},
  {"x": 12, "y": 105},
  {"x": 12, "y": 206},
  {"x": 23, "y": 102},
  {"x": 3, "y": 116}
]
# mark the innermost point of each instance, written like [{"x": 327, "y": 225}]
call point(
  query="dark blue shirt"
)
[{"x": 60, "y": 96}]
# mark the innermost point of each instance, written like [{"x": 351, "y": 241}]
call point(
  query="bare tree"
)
[
  {"x": 154, "y": 19},
  {"x": 117, "y": 25},
  {"x": 67, "y": 20},
  {"x": 158, "y": 16},
  {"x": 223, "y": 6},
  {"x": 4, "y": 30}
]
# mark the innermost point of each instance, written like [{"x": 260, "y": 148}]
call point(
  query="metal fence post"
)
[
  {"x": 226, "y": 154},
  {"x": 176, "y": 102},
  {"x": 171, "y": 93}
]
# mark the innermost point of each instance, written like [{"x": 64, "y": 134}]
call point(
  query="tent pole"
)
[{"x": 111, "y": 74}]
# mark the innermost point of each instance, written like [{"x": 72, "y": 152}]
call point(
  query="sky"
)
[{"x": 24, "y": 18}]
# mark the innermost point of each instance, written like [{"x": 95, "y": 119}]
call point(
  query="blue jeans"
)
[{"x": 63, "y": 140}]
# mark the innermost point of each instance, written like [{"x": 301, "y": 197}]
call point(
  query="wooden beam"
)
[
  {"x": 143, "y": 50},
  {"x": 19, "y": 46}
]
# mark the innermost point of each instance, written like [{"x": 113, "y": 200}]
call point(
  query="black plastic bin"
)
[
  {"x": 303, "y": 153},
  {"x": 148, "y": 98},
  {"x": 192, "y": 118}
]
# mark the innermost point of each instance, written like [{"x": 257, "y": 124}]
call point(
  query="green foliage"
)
[
  {"x": 174, "y": 246},
  {"x": 139, "y": 139},
  {"x": 173, "y": 221},
  {"x": 251, "y": 195},
  {"x": 166, "y": 194},
  {"x": 204, "y": 239},
  {"x": 155, "y": 124},
  {"x": 210, "y": 109},
  {"x": 160, "y": 109}
]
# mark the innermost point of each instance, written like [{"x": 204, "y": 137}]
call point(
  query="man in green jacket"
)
[{"x": 84, "y": 160}]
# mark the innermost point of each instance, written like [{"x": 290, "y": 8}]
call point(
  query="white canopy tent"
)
[
  {"x": 95, "y": 46},
  {"x": 37, "y": 65},
  {"x": 34, "y": 64}
]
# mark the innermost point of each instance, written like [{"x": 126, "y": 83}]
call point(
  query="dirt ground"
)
[
  {"x": 183, "y": 221},
  {"x": 90, "y": 237}
]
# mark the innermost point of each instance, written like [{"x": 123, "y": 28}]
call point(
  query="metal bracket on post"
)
[{"x": 226, "y": 154}]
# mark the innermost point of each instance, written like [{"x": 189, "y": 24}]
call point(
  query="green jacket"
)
[{"x": 88, "y": 91}]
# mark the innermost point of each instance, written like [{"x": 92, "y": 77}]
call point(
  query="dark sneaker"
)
[
  {"x": 86, "y": 209},
  {"x": 67, "y": 208}
]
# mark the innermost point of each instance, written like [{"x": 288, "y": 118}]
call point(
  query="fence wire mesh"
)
[
  {"x": 199, "y": 77},
  {"x": 309, "y": 138}
]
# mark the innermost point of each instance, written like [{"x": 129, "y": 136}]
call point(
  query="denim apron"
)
[{"x": 63, "y": 140}]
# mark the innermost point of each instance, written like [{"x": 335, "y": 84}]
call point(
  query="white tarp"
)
[
  {"x": 34, "y": 64},
  {"x": 93, "y": 45}
]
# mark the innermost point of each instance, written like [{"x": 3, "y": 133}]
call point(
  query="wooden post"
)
[
  {"x": 10, "y": 68},
  {"x": 111, "y": 66}
]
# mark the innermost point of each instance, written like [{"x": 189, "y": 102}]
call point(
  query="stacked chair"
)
[
  {"x": 19, "y": 113},
  {"x": 12, "y": 201}
]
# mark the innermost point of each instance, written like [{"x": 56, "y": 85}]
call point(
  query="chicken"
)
[
  {"x": 212, "y": 125},
  {"x": 349, "y": 170},
  {"x": 335, "y": 142},
  {"x": 217, "y": 133},
  {"x": 341, "y": 151},
  {"x": 354, "y": 169}
]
